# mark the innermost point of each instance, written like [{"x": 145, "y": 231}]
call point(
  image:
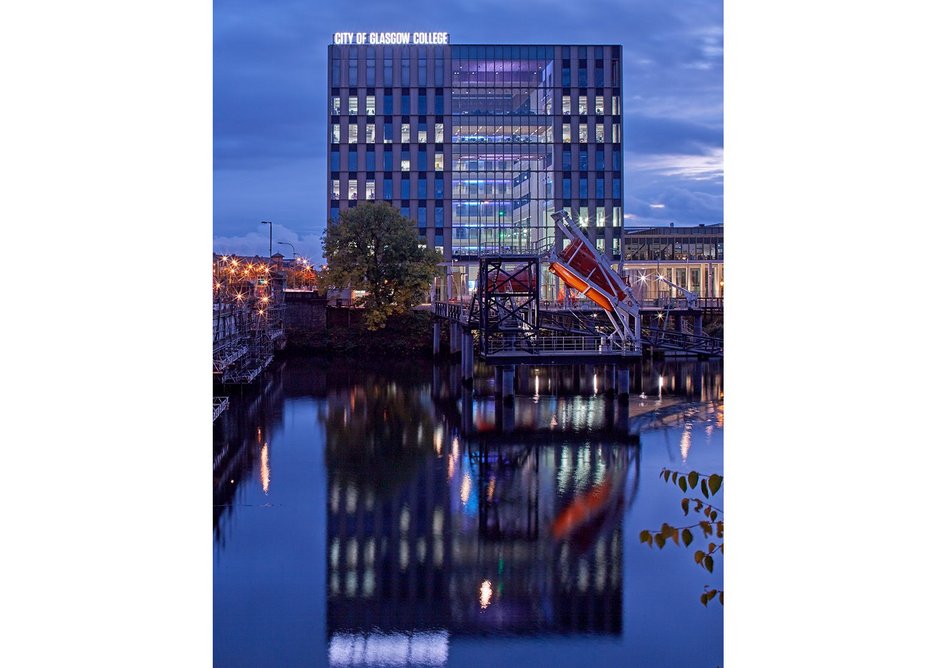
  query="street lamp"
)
[
  {"x": 267, "y": 222},
  {"x": 287, "y": 243}
]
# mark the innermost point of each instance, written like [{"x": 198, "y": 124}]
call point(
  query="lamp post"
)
[
  {"x": 267, "y": 222},
  {"x": 287, "y": 243}
]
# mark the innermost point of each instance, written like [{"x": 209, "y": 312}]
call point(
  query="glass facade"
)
[{"x": 489, "y": 139}]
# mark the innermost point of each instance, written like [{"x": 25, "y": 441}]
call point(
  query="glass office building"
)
[{"x": 479, "y": 144}]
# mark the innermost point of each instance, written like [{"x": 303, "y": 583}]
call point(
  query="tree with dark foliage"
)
[{"x": 374, "y": 248}]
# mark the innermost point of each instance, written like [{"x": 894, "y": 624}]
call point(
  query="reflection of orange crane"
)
[
  {"x": 583, "y": 520},
  {"x": 585, "y": 269}
]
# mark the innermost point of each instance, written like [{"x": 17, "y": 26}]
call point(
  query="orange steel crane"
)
[{"x": 585, "y": 269}]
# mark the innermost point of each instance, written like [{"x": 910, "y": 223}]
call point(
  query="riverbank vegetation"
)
[{"x": 405, "y": 335}]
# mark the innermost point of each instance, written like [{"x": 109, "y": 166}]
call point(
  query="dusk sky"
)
[{"x": 270, "y": 101}]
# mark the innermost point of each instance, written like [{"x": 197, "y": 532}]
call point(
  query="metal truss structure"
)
[
  {"x": 247, "y": 318},
  {"x": 507, "y": 301}
]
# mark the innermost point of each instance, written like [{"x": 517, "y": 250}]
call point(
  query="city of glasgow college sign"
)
[{"x": 390, "y": 38}]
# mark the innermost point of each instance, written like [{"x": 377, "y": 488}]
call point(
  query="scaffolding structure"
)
[{"x": 247, "y": 316}]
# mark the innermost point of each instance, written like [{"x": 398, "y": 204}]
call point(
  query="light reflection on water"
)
[{"x": 446, "y": 518}]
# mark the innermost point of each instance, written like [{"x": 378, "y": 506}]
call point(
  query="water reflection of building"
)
[
  {"x": 481, "y": 537},
  {"x": 241, "y": 443}
]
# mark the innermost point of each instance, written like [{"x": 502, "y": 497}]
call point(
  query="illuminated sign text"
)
[{"x": 390, "y": 38}]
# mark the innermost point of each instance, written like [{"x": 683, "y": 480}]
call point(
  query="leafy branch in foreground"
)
[{"x": 709, "y": 485}]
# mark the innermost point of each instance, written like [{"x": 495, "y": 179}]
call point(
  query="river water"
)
[{"x": 381, "y": 515}]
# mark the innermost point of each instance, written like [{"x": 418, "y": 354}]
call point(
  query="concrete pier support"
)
[
  {"x": 523, "y": 378},
  {"x": 507, "y": 382},
  {"x": 608, "y": 379},
  {"x": 468, "y": 356},
  {"x": 437, "y": 333},
  {"x": 455, "y": 340},
  {"x": 623, "y": 382}
]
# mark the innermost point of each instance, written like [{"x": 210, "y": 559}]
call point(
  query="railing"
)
[
  {"x": 225, "y": 356},
  {"x": 451, "y": 311},
  {"x": 690, "y": 343},
  {"x": 560, "y": 345},
  {"x": 219, "y": 404}
]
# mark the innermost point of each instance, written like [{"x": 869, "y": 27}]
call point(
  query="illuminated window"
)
[
  {"x": 600, "y": 132},
  {"x": 405, "y": 133},
  {"x": 353, "y": 105},
  {"x": 616, "y": 246},
  {"x": 353, "y": 189},
  {"x": 421, "y": 133},
  {"x": 583, "y": 133},
  {"x": 616, "y": 105},
  {"x": 370, "y": 105},
  {"x": 583, "y": 104},
  {"x": 336, "y": 189},
  {"x": 353, "y": 133},
  {"x": 584, "y": 216},
  {"x": 567, "y": 105},
  {"x": 438, "y": 162},
  {"x": 616, "y": 216},
  {"x": 336, "y": 133},
  {"x": 600, "y": 104},
  {"x": 369, "y": 190},
  {"x": 567, "y": 133},
  {"x": 616, "y": 133},
  {"x": 369, "y": 133},
  {"x": 439, "y": 133},
  {"x": 405, "y": 165},
  {"x": 336, "y": 105},
  {"x": 600, "y": 244},
  {"x": 600, "y": 217}
]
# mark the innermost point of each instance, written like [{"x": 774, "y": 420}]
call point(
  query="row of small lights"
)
[{"x": 249, "y": 269}]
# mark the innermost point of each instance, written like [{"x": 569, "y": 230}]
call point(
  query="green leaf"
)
[
  {"x": 693, "y": 478},
  {"x": 685, "y": 504},
  {"x": 704, "y": 488},
  {"x": 687, "y": 536},
  {"x": 683, "y": 483},
  {"x": 708, "y": 563},
  {"x": 645, "y": 536},
  {"x": 715, "y": 482},
  {"x": 698, "y": 556}
]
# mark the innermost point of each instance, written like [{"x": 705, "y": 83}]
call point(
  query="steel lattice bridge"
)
[{"x": 514, "y": 327}]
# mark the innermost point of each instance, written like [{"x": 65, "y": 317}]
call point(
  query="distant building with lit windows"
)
[{"x": 478, "y": 144}]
